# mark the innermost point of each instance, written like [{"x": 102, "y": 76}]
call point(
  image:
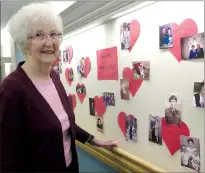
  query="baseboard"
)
[{"x": 120, "y": 160}]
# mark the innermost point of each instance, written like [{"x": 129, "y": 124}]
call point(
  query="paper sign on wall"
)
[{"x": 107, "y": 64}]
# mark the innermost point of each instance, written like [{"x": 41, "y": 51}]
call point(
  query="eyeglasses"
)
[{"x": 42, "y": 35}]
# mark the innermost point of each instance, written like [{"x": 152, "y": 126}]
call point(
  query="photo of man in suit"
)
[
  {"x": 172, "y": 114},
  {"x": 198, "y": 98},
  {"x": 199, "y": 51}
]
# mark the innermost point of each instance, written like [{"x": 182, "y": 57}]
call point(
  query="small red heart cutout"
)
[
  {"x": 187, "y": 28},
  {"x": 134, "y": 85},
  {"x": 73, "y": 100},
  {"x": 87, "y": 66},
  {"x": 69, "y": 51},
  {"x": 171, "y": 135},
  {"x": 122, "y": 121},
  {"x": 81, "y": 96},
  {"x": 67, "y": 71},
  {"x": 134, "y": 33},
  {"x": 100, "y": 106}
]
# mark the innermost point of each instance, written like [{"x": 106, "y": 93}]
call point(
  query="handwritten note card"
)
[{"x": 107, "y": 64}]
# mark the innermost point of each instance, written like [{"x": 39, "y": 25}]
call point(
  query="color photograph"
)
[
  {"x": 192, "y": 47},
  {"x": 165, "y": 36},
  {"x": 108, "y": 98},
  {"x": 190, "y": 152},
  {"x": 131, "y": 129},
  {"x": 100, "y": 126},
  {"x": 125, "y": 36},
  {"x": 198, "y": 97},
  {"x": 124, "y": 89},
  {"x": 81, "y": 67},
  {"x": 141, "y": 70},
  {"x": 92, "y": 106},
  {"x": 155, "y": 129},
  {"x": 173, "y": 109},
  {"x": 70, "y": 75},
  {"x": 80, "y": 89}
]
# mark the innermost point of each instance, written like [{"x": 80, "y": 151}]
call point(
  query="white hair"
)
[{"x": 20, "y": 25}]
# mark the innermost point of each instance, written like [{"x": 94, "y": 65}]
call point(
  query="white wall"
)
[{"x": 167, "y": 76}]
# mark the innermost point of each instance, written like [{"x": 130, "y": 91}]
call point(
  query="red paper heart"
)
[
  {"x": 70, "y": 53},
  {"x": 87, "y": 66},
  {"x": 100, "y": 107},
  {"x": 171, "y": 135},
  {"x": 134, "y": 85},
  {"x": 67, "y": 75},
  {"x": 73, "y": 100},
  {"x": 134, "y": 33},
  {"x": 187, "y": 28},
  {"x": 81, "y": 96},
  {"x": 122, "y": 121}
]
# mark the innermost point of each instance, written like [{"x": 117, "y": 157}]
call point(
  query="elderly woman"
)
[{"x": 38, "y": 128}]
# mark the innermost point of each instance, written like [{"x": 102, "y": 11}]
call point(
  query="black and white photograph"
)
[
  {"x": 65, "y": 56},
  {"x": 100, "y": 125},
  {"x": 155, "y": 129},
  {"x": 198, "y": 95},
  {"x": 109, "y": 98},
  {"x": 124, "y": 89},
  {"x": 165, "y": 36},
  {"x": 80, "y": 89},
  {"x": 92, "y": 106},
  {"x": 131, "y": 128},
  {"x": 173, "y": 105},
  {"x": 141, "y": 70},
  {"x": 190, "y": 152},
  {"x": 70, "y": 75},
  {"x": 192, "y": 47},
  {"x": 125, "y": 36}
]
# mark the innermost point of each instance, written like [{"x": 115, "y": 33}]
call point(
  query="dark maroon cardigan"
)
[{"x": 31, "y": 134}]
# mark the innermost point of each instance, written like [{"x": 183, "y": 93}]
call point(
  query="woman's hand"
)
[{"x": 109, "y": 144}]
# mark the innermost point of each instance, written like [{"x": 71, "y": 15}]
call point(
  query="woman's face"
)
[
  {"x": 42, "y": 48},
  {"x": 191, "y": 145}
]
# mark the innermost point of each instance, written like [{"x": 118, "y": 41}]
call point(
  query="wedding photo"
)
[
  {"x": 125, "y": 36},
  {"x": 131, "y": 129}
]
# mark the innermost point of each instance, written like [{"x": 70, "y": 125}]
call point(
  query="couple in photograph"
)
[
  {"x": 80, "y": 89},
  {"x": 155, "y": 129},
  {"x": 131, "y": 132},
  {"x": 166, "y": 37},
  {"x": 125, "y": 36},
  {"x": 196, "y": 52},
  {"x": 190, "y": 156},
  {"x": 108, "y": 99}
]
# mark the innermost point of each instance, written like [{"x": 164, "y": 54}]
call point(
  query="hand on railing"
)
[{"x": 108, "y": 144}]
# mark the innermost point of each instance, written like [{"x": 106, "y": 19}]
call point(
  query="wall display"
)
[
  {"x": 83, "y": 67},
  {"x": 69, "y": 75},
  {"x": 92, "y": 106},
  {"x": 165, "y": 36},
  {"x": 124, "y": 89},
  {"x": 68, "y": 54},
  {"x": 181, "y": 31},
  {"x": 109, "y": 98},
  {"x": 72, "y": 99},
  {"x": 57, "y": 64},
  {"x": 100, "y": 123},
  {"x": 192, "y": 47},
  {"x": 173, "y": 109},
  {"x": 81, "y": 92},
  {"x": 129, "y": 33},
  {"x": 155, "y": 129},
  {"x": 198, "y": 98},
  {"x": 141, "y": 70},
  {"x": 190, "y": 152},
  {"x": 134, "y": 85},
  {"x": 100, "y": 106},
  {"x": 107, "y": 64}
]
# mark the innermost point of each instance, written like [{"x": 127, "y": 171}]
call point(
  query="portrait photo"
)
[
  {"x": 109, "y": 98},
  {"x": 70, "y": 75},
  {"x": 155, "y": 129},
  {"x": 100, "y": 125},
  {"x": 141, "y": 70},
  {"x": 173, "y": 105},
  {"x": 131, "y": 129},
  {"x": 198, "y": 95},
  {"x": 65, "y": 56},
  {"x": 124, "y": 89},
  {"x": 81, "y": 67},
  {"x": 80, "y": 89},
  {"x": 190, "y": 152},
  {"x": 92, "y": 106},
  {"x": 192, "y": 47},
  {"x": 165, "y": 36},
  {"x": 125, "y": 36}
]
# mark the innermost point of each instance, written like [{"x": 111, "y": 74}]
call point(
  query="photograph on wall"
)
[
  {"x": 155, "y": 129},
  {"x": 190, "y": 152},
  {"x": 165, "y": 36},
  {"x": 192, "y": 47},
  {"x": 198, "y": 97},
  {"x": 125, "y": 36},
  {"x": 57, "y": 64},
  {"x": 124, "y": 89},
  {"x": 109, "y": 98},
  {"x": 131, "y": 128},
  {"x": 65, "y": 56},
  {"x": 173, "y": 105},
  {"x": 81, "y": 67},
  {"x": 80, "y": 89},
  {"x": 100, "y": 124},
  {"x": 141, "y": 70},
  {"x": 92, "y": 106},
  {"x": 70, "y": 75}
]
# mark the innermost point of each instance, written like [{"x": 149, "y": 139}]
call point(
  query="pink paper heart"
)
[
  {"x": 171, "y": 135},
  {"x": 67, "y": 75},
  {"x": 73, "y": 100},
  {"x": 187, "y": 28},
  {"x": 69, "y": 51},
  {"x": 100, "y": 106},
  {"x": 134, "y": 85},
  {"x": 81, "y": 96},
  {"x": 87, "y": 66}
]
